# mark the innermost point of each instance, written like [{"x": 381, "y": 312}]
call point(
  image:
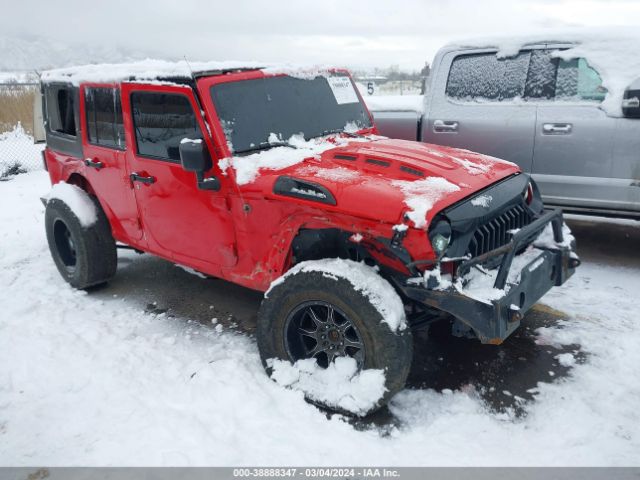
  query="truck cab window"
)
[
  {"x": 161, "y": 121},
  {"x": 576, "y": 80},
  {"x": 485, "y": 77},
  {"x": 104, "y": 117},
  {"x": 60, "y": 102}
]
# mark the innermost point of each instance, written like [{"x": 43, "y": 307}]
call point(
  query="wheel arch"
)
[{"x": 82, "y": 182}]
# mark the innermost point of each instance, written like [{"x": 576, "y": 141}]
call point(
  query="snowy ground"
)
[
  {"x": 17, "y": 149},
  {"x": 105, "y": 379}
]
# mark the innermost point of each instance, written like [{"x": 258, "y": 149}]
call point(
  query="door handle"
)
[
  {"x": 97, "y": 164},
  {"x": 556, "y": 128},
  {"x": 445, "y": 126},
  {"x": 146, "y": 179}
]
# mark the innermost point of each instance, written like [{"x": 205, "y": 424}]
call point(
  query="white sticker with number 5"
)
[{"x": 343, "y": 90}]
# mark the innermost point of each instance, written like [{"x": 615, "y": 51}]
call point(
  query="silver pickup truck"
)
[{"x": 540, "y": 110}]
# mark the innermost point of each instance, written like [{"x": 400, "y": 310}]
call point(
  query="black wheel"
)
[
  {"x": 311, "y": 315},
  {"x": 84, "y": 256}
]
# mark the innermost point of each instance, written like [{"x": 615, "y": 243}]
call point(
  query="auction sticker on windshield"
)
[{"x": 343, "y": 90}]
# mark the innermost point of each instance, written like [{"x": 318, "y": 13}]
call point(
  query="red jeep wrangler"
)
[{"x": 275, "y": 179}]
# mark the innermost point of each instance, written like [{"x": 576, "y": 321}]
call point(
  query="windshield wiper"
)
[{"x": 266, "y": 146}]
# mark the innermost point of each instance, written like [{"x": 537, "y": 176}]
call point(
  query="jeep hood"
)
[{"x": 383, "y": 179}]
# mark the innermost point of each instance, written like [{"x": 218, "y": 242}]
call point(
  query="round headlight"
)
[{"x": 440, "y": 236}]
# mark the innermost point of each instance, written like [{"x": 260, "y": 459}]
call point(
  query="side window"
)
[
  {"x": 104, "y": 117},
  {"x": 61, "y": 105},
  {"x": 161, "y": 121},
  {"x": 541, "y": 80},
  {"x": 484, "y": 76},
  {"x": 576, "y": 80},
  {"x": 551, "y": 78}
]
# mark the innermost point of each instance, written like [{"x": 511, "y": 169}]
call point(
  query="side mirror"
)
[
  {"x": 195, "y": 157},
  {"x": 631, "y": 101}
]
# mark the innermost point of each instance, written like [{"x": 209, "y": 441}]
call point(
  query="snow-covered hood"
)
[{"x": 383, "y": 179}]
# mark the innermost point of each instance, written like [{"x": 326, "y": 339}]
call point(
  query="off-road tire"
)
[
  {"x": 384, "y": 349},
  {"x": 94, "y": 248}
]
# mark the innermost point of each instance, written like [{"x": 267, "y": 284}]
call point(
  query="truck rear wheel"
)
[
  {"x": 84, "y": 256},
  {"x": 310, "y": 314}
]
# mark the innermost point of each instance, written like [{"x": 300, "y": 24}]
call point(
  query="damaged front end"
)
[{"x": 498, "y": 265}]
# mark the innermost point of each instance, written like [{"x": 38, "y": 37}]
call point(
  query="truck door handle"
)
[
  {"x": 445, "y": 126},
  {"x": 146, "y": 179},
  {"x": 97, "y": 164},
  {"x": 556, "y": 128}
]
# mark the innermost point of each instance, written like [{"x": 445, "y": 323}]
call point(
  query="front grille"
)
[{"x": 494, "y": 233}]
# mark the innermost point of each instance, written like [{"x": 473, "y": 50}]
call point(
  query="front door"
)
[
  {"x": 105, "y": 159},
  {"x": 476, "y": 102},
  {"x": 190, "y": 226},
  {"x": 573, "y": 149}
]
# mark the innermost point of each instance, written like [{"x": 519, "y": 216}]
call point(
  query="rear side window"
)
[
  {"x": 61, "y": 106},
  {"x": 161, "y": 121},
  {"x": 104, "y": 117},
  {"x": 485, "y": 77}
]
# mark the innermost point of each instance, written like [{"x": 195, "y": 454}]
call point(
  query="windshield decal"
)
[{"x": 343, "y": 90}]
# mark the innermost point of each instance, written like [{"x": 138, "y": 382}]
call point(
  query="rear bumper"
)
[{"x": 494, "y": 320}]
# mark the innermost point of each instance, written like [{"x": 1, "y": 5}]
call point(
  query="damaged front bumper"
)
[{"x": 494, "y": 320}]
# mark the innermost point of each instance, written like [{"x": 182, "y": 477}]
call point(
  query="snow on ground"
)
[
  {"x": 85, "y": 381},
  {"x": 17, "y": 147},
  {"x": 340, "y": 385}
]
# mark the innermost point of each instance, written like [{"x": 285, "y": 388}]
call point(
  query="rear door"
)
[
  {"x": 573, "y": 150},
  {"x": 476, "y": 102},
  {"x": 105, "y": 158},
  {"x": 192, "y": 226}
]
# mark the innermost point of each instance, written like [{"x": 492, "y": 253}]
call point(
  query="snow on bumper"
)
[{"x": 494, "y": 306}]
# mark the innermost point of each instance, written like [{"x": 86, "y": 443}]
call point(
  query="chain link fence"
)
[{"x": 18, "y": 153}]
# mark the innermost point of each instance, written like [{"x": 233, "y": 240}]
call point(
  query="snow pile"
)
[
  {"x": 149, "y": 69},
  {"x": 395, "y": 103},
  {"x": 303, "y": 72},
  {"x": 482, "y": 201},
  {"x": 479, "y": 283},
  {"x": 340, "y": 385},
  {"x": 17, "y": 148},
  {"x": 152, "y": 69},
  {"x": 612, "y": 52},
  {"x": 247, "y": 167},
  {"x": 422, "y": 195},
  {"x": 364, "y": 279},
  {"x": 77, "y": 200},
  {"x": 546, "y": 239}
]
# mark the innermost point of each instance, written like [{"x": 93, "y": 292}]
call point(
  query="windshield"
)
[{"x": 252, "y": 110}]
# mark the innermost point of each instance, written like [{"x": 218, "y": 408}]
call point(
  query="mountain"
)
[{"x": 39, "y": 53}]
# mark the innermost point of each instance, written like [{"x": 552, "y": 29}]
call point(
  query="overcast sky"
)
[{"x": 338, "y": 32}]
